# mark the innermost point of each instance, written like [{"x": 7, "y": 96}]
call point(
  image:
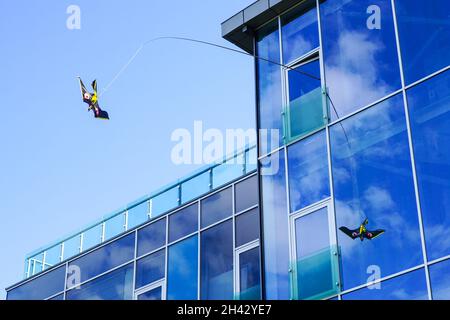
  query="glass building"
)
[{"x": 353, "y": 119}]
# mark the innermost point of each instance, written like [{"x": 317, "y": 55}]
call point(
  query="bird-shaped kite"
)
[
  {"x": 92, "y": 100},
  {"x": 362, "y": 232}
]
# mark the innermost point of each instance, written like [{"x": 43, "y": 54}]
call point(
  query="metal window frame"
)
[{"x": 236, "y": 263}]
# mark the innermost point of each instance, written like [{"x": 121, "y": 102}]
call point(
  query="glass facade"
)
[{"x": 351, "y": 194}]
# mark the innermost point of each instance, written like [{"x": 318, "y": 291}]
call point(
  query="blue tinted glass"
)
[
  {"x": 165, "y": 201},
  {"x": 114, "y": 226},
  {"x": 217, "y": 262},
  {"x": 269, "y": 88},
  {"x": 250, "y": 160},
  {"x": 58, "y": 297},
  {"x": 52, "y": 256},
  {"x": 216, "y": 207},
  {"x": 104, "y": 258},
  {"x": 92, "y": 237},
  {"x": 308, "y": 171},
  {"x": 300, "y": 33},
  {"x": 249, "y": 275},
  {"x": 424, "y": 24},
  {"x": 316, "y": 264},
  {"x": 150, "y": 268},
  {"x": 116, "y": 285},
  {"x": 411, "y": 286},
  {"x": 151, "y": 237},
  {"x": 372, "y": 178},
  {"x": 429, "y": 105},
  {"x": 183, "y": 222},
  {"x": 246, "y": 194},
  {"x": 195, "y": 187},
  {"x": 138, "y": 214},
  {"x": 182, "y": 276},
  {"x": 360, "y": 52},
  {"x": 275, "y": 217},
  {"x": 440, "y": 280},
  {"x": 228, "y": 171},
  {"x": 247, "y": 227},
  {"x": 154, "y": 294},
  {"x": 40, "y": 288},
  {"x": 37, "y": 263},
  {"x": 71, "y": 247}
]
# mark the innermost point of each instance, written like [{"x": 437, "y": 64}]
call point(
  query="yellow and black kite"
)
[{"x": 92, "y": 100}]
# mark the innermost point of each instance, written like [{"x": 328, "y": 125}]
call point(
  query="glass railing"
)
[{"x": 160, "y": 202}]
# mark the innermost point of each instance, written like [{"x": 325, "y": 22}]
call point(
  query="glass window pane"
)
[
  {"x": 360, "y": 53},
  {"x": 37, "y": 263},
  {"x": 411, "y": 286},
  {"x": 228, "y": 171},
  {"x": 71, "y": 247},
  {"x": 428, "y": 26},
  {"x": 92, "y": 237},
  {"x": 183, "y": 222},
  {"x": 40, "y": 288},
  {"x": 217, "y": 262},
  {"x": 195, "y": 187},
  {"x": 52, "y": 256},
  {"x": 249, "y": 275},
  {"x": 440, "y": 280},
  {"x": 216, "y": 207},
  {"x": 103, "y": 259},
  {"x": 58, "y": 297},
  {"x": 305, "y": 112},
  {"x": 372, "y": 178},
  {"x": 138, "y": 214},
  {"x": 150, "y": 269},
  {"x": 114, "y": 226},
  {"x": 276, "y": 228},
  {"x": 183, "y": 270},
  {"x": 300, "y": 33},
  {"x": 246, "y": 194},
  {"x": 151, "y": 237},
  {"x": 308, "y": 171},
  {"x": 116, "y": 285},
  {"x": 429, "y": 105},
  {"x": 316, "y": 265},
  {"x": 269, "y": 88},
  {"x": 251, "y": 160},
  {"x": 247, "y": 227},
  {"x": 165, "y": 201},
  {"x": 154, "y": 294}
]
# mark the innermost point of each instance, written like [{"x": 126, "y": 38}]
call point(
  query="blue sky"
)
[{"x": 59, "y": 168}]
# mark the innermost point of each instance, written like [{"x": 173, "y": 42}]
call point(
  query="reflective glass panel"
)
[
  {"x": 150, "y": 269},
  {"x": 249, "y": 275},
  {"x": 151, "y": 237},
  {"x": 247, "y": 227},
  {"x": 154, "y": 294},
  {"x": 305, "y": 110},
  {"x": 102, "y": 259},
  {"x": 360, "y": 53},
  {"x": 58, "y": 297},
  {"x": 440, "y": 280},
  {"x": 92, "y": 237},
  {"x": 52, "y": 256},
  {"x": 300, "y": 33},
  {"x": 40, "y": 288},
  {"x": 116, "y": 285},
  {"x": 427, "y": 25},
  {"x": 228, "y": 171},
  {"x": 195, "y": 187},
  {"x": 429, "y": 105},
  {"x": 250, "y": 160},
  {"x": 372, "y": 178},
  {"x": 216, "y": 207},
  {"x": 71, "y": 247},
  {"x": 37, "y": 263},
  {"x": 114, "y": 226},
  {"x": 138, "y": 214},
  {"x": 276, "y": 228},
  {"x": 308, "y": 171},
  {"x": 165, "y": 201},
  {"x": 182, "y": 270},
  {"x": 183, "y": 222},
  {"x": 217, "y": 262},
  {"x": 411, "y": 286},
  {"x": 246, "y": 193},
  {"x": 269, "y": 88}
]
